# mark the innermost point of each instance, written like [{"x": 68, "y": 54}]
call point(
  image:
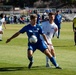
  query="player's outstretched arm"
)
[{"x": 14, "y": 36}]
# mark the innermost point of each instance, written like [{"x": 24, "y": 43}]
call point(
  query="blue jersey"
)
[{"x": 34, "y": 30}]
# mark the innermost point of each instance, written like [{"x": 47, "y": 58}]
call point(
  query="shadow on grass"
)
[
  {"x": 4, "y": 69},
  {"x": 11, "y": 69}
]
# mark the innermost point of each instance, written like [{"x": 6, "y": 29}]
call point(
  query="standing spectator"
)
[
  {"x": 38, "y": 16},
  {"x": 15, "y": 19},
  {"x": 58, "y": 19},
  {"x": 2, "y": 22},
  {"x": 74, "y": 28}
]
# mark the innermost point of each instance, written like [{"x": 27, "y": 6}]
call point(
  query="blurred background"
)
[{"x": 19, "y": 10}]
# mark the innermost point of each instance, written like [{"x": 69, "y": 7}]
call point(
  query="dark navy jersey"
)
[
  {"x": 38, "y": 18},
  {"x": 32, "y": 30}
]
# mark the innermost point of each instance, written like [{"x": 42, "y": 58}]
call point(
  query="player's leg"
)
[
  {"x": 43, "y": 48},
  {"x": 51, "y": 50},
  {"x": 1, "y": 32},
  {"x": 31, "y": 49},
  {"x": 49, "y": 55},
  {"x": 47, "y": 62},
  {"x": 52, "y": 59},
  {"x": 58, "y": 33},
  {"x": 75, "y": 37},
  {"x": 30, "y": 57},
  {"x": 47, "y": 58}
]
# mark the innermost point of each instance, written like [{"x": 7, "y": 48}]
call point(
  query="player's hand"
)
[
  {"x": 48, "y": 43},
  {"x": 8, "y": 40}
]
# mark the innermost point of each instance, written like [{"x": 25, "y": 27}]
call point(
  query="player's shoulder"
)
[{"x": 26, "y": 26}]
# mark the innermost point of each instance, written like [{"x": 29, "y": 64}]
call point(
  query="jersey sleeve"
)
[{"x": 24, "y": 29}]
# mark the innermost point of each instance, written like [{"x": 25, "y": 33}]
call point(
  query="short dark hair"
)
[
  {"x": 33, "y": 16},
  {"x": 51, "y": 13}
]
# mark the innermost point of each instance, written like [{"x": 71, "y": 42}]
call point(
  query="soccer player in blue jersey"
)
[
  {"x": 34, "y": 29},
  {"x": 58, "y": 19}
]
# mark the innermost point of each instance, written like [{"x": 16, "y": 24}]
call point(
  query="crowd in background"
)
[
  {"x": 15, "y": 19},
  {"x": 22, "y": 19}
]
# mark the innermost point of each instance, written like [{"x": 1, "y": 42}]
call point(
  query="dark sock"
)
[{"x": 30, "y": 58}]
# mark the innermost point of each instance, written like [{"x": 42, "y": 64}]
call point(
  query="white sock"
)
[
  {"x": 47, "y": 60},
  {"x": 0, "y": 36}
]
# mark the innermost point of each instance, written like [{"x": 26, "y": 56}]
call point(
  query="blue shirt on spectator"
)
[{"x": 58, "y": 19}]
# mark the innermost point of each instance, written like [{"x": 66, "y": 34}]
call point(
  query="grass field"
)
[{"x": 13, "y": 56}]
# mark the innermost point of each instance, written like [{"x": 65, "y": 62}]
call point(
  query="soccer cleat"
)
[
  {"x": 58, "y": 37},
  {"x": 0, "y": 40},
  {"x": 58, "y": 67},
  {"x": 30, "y": 65}
]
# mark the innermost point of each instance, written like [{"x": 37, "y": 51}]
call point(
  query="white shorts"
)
[{"x": 50, "y": 42}]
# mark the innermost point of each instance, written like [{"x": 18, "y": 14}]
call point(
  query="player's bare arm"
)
[
  {"x": 14, "y": 36},
  {"x": 45, "y": 38}
]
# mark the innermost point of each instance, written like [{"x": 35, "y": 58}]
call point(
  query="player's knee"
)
[{"x": 47, "y": 53}]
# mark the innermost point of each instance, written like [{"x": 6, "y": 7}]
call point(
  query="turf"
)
[{"x": 13, "y": 56}]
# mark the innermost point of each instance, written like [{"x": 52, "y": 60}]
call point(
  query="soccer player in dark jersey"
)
[
  {"x": 74, "y": 28},
  {"x": 34, "y": 29}
]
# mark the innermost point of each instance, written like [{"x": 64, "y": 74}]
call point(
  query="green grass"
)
[{"x": 13, "y": 56}]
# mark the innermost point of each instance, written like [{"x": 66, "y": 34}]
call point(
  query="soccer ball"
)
[{"x": 33, "y": 39}]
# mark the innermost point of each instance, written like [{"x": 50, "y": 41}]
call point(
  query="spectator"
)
[
  {"x": 38, "y": 16},
  {"x": 58, "y": 20},
  {"x": 2, "y": 22}
]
